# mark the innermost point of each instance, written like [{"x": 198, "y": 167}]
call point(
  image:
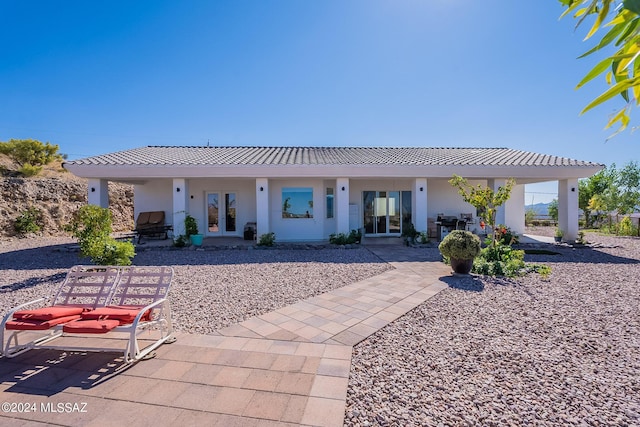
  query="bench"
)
[
  {"x": 151, "y": 224},
  {"x": 95, "y": 301}
]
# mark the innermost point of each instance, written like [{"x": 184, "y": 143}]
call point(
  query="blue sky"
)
[{"x": 101, "y": 76}]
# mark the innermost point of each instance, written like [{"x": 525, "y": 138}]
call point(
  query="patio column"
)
[
  {"x": 262, "y": 206},
  {"x": 98, "y": 192},
  {"x": 494, "y": 184},
  {"x": 514, "y": 209},
  {"x": 179, "y": 190},
  {"x": 568, "y": 208},
  {"x": 342, "y": 205},
  {"x": 419, "y": 197}
]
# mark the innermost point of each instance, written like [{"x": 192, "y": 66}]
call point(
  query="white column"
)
[
  {"x": 419, "y": 209},
  {"x": 262, "y": 206},
  {"x": 494, "y": 184},
  {"x": 180, "y": 190},
  {"x": 342, "y": 205},
  {"x": 98, "y": 192},
  {"x": 514, "y": 209},
  {"x": 568, "y": 208}
]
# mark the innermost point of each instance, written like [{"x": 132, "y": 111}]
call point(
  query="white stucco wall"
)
[
  {"x": 514, "y": 209},
  {"x": 155, "y": 195},
  {"x": 298, "y": 229}
]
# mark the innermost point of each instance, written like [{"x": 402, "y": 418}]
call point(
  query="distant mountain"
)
[{"x": 538, "y": 208}]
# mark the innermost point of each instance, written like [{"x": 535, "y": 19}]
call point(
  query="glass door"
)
[
  {"x": 221, "y": 214},
  {"x": 383, "y": 211}
]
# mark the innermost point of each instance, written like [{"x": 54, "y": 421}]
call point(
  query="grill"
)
[{"x": 448, "y": 221}]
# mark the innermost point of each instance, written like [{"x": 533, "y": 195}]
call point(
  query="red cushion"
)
[
  {"x": 37, "y": 325},
  {"x": 47, "y": 313},
  {"x": 90, "y": 326},
  {"x": 125, "y": 314}
]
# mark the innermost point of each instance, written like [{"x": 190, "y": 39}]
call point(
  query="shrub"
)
[
  {"x": 626, "y": 227},
  {"x": 30, "y": 154},
  {"x": 29, "y": 170},
  {"x": 460, "y": 244},
  {"x": 190, "y": 225},
  {"x": 181, "y": 241},
  {"x": 267, "y": 239},
  {"x": 505, "y": 236},
  {"x": 409, "y": 230},
  {"x": 28, "y": 221},
  {"x": 500, "y": 260},
  {"x": 354, "y": 236},
  {"x": 91, "y": 225}
]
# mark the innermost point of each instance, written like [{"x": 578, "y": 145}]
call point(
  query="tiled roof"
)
[{"x": 396, "y": 156}]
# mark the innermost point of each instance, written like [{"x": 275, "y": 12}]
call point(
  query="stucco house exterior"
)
[{"x": 307, "y": 193}]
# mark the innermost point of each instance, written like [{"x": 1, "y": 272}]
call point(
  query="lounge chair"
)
[
  {"x": 98, "y": 300},
  {"x": 139, "y": 303},
  {"x": 83, "y": 289}
]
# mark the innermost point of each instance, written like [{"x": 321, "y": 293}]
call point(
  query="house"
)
[{"x": 307, "y": 193}]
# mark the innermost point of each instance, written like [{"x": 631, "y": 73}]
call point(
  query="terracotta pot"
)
[{"x": 461, "y": 266}]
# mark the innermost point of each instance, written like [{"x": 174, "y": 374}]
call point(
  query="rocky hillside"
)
[{"x": 58, "y": 194}]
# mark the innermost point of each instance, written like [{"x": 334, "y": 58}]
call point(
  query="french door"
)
[
  {"x": 382, "y": 212},
  {"x": 221, "y": 214}
]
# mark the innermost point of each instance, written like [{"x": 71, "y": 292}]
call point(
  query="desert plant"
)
[
  {"x": 190, "y": 225},
  {"x": 30, "y": 154},
  {"x": 500, "y": 260},
  {"x": 485, "y": 199},
  {"x": 409, "y": 230},
  {"x": 91, "y": 225},
  {"x": 505, "y": 236},
  {"x": 559, "y": 233},
  {"x": 180, "y": 241},
  {"x": 460, "y": 244},
  {"x": 354, "y": 236},
  {"x": 626, "y": 227},
  {"x": 267, "y": 239},
  {"x": 28, "y": 221}
]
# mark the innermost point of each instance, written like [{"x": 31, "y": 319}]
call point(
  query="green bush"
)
[
  {"x": 28, "y": 221},
  {"x": 626, "y": 227},
  {"x": 505, "y": 236},
  {"x": 190, "y": 225},
  {"x": 460, "y": 244},
  {"x": 501, "y": 260},
  {"x": 30, "y": 154},
  {"x": 29, "y": 170},
  {"x": 267, "y": 239},
  {"x": 354, "y": 236},
  {"x": 91, "y": 225}
]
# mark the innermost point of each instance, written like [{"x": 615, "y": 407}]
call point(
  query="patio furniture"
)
[
  {"x": 138, "y": 304},
  {"x": 84, "y": 288},
  {"x": 151, "y": 224},
  {"x": 130, "y": 299}
]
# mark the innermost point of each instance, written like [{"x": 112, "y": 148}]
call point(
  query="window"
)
[
  {"x": 297, "y": 202},
  {"x": 330, "y": 200}
]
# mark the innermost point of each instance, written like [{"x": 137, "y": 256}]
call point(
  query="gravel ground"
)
[
  {"x": 524, "y": 352},
  {"x": 565, "y": 351},
  {"x": 230, "y": 285}
]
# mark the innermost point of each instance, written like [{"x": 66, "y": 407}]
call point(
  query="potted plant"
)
[
  {"x": 559, "y": 235},
  {"x": 460, "y": 247},
  {"x": 191, "y": 230}
]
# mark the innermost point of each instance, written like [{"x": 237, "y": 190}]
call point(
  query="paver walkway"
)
[{"x": 287, "y": 367}]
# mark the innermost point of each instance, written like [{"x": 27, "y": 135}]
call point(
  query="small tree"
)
[
  {"x": 30, "y": 154},
  {"x": 552, "y": 209},
  {"x": 91, "y": 225},
  {"x": 484, "y": 198}
]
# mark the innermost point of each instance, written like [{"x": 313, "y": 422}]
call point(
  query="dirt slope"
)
[{"x": 58, "y": 194}]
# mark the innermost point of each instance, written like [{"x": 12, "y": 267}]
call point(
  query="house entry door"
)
[
  {"x": 221, "y": 214},
  {"x": 385, "y": 212}
]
